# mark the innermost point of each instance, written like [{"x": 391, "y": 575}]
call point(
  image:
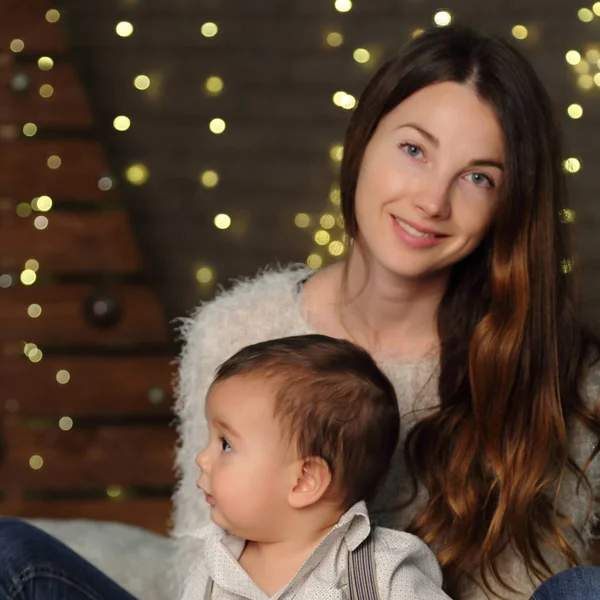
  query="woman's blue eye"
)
[
  {"x": 412, "y": 150},
  {"x": 225, "y": 446},
  {"x": 480, "y": 179}
]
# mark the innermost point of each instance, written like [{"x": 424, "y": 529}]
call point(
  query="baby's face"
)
[{"x": 247, "y": 466}]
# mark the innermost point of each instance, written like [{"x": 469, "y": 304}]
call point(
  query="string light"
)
[
  {"x": 52, "y": 15},
  {"x": 519, "y": 32},
  {"x": 121, "y": 123},
  {"x": 36, "y": 462},
  {"x": 54, "y": 161},
  {"x": 23, "y": 209},
  {"x": 322, "y": 237},
  {"x": 209, "y": 179},
  {"x": 63, "y": 376},
  {"x": 217, "y": 126},
  {"x": 114, "y": 491},
  {"x": 34, "y": 311},
  {"x": 209, "y": 30},
  {"x": 596, "y": 9},
  {"x": 585, "y": 15},
  {"x": 214, "y": 85},
  {"x": 142, "y": 82},
  {"x": 105, "y": 184},
  {"x": 28, "y": 277},
  {"x": 442, "y": 18},
  {"x": 585, "y": 82},
  {"x": 137, "y": 174},
  {"x": 29, "y": 129},
  {"x": 575, "y": 111},
  {"x": 204, "y": 275},
  {"x": 417, "y": 32},
  {"x": 582, "y": 67},
  {"x": 592, "y": 55},
  {"x": 573, "y": 57},
  {"x": 343, "y": 5},
  {"x": 334, "y": 39},
  {"x": 597, "y": 79},
  {"x": 567, "y": 215},
  {"x": 327, "y": 221},
  {"x": 566, "y": 265},
  {"x": 361, "y": 55},
  {"x": 41, "y": 204},
  {"x": 65, "y": 423},
  {"x": 336, "y": 152},
  {"x": 5, "y": 280},
  {"x": 46, "y": 90},
  {"x": 336, "y": 248},
  {"x": 222, "y": 221},
  {"x": 35, "y": 356},
  {"x": 302, "y": 220},
  {"x": 314, "y": 261},
  {"x": 40, "y": 223},
  {"x": 572, "y": 165},
  {"x": 45, "y": 63},
  {"x": 17, "y": 46},
  {"x": 124, "y": 29}
]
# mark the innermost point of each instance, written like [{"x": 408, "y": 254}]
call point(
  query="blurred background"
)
[{"x": 152, "y": 150}]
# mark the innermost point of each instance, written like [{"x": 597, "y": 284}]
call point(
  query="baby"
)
[{"x": 302, "y": 432}]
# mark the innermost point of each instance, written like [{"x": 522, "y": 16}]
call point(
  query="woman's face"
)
[{"x": 429, "y": 181}]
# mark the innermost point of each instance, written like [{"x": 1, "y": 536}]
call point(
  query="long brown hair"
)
[{"x": 513, "y": 350}]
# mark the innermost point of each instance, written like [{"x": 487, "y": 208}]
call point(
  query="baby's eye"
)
[{"x": 225, "y": 446}]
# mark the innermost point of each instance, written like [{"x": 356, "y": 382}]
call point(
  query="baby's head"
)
[{"x": 299, "y": 425}]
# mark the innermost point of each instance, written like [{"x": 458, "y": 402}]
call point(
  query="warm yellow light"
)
[
  {"x": 142, "y": 82},
  {"x": 361, "y": 55},
  {"x": 343, "y": 5},
  {"x": 575, "y": 111},
  {"x": 572, "y": 165},
  {"x": 46, "y": 90},
  {"x": 52, "y": 15},
  {"x": 322, "y": 237},
  {"x": 335, "y": 196},
  {"x": 34, "y": 310},
  {"x": 520, "y": 32},
  {"x": 105, "y": 184},
  {"x": 32, "y": 264},
  {"x": 338, "y": 98},
  {"x": 137, "y": 174},
  {"x": 592, "y": 55},
  {"x": 349, "y": 102},
  {"x": 121, "y": 123},
  {"x": 40, "y": 222},
  {"x": 36, "y": 462},
  {"x": 314, "y": 261},
  {"x": 596, "y": 9},
  {"x": 336, "y": 248},
  {"x": 114, "y": 491},
  {"x": 573, "y": 57},
  {"x": 585, "y": 15},
  {"x": 567, "y": 215},
  {"x": 217, "y": 126},
  {"x": 5, "y": 280},
  {"x": 442, "y": 18},
  {"x": 29, "y": 129},
  {"x": 417, "y": 32},
  {"x": 45, "y": 63},
  {"x": 582, "y": 67},
  {"x": 597, "y": 79},
  {"x": 23, "y": 209},
  {"x": 54, "y": 162},
  {"x": 327, "y": 221},
  {"x": 302, "y": 220},
  {"x": 17, "y": 46},
  {"x": 204, "y": 275},
  {"x": 585, "y": 82},
  {"x": 335, "y": 39},
  {"x": 124, "y": 29},
  {"x": 222, "y": 221},
  {"x": 214, "y": 84},
  {"x": 209, "y": 179},
  {"x": 35, "y": 356},
  {"x": 209, "y": 30},
  {"x": 65, "y": 423},
  {"x": 29, "y": 349},
  {"x": 566, "y": 265},
  {"x": 336, "y": 152},
  {"x": 42, "y": 204},
  {"x": 28, "y": 277},
  {"x": 63, "y": 376}
]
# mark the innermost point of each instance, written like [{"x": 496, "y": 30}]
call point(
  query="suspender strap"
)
[
  {"x": 209, "y": 588},
  {"x": 362, "y": 582}
]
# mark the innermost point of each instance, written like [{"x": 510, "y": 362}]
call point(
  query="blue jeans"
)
[{"x": 35, "y": 566}]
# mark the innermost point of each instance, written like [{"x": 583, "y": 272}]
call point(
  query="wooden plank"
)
[
  {"x": 26, "y": 21},
  {"x": 67, "y": 107},
  {"x": 82, "y": 165},
  {"x": 72, "y": 242},
  {"x": 86, "y": 457},
  {"x": 151, "y": 513},
  {"x": 63, "y": 319},
  {"x": 99, "y": 385}
]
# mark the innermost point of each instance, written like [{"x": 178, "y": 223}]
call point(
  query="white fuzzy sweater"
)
[{"x": 266, "y": 307}]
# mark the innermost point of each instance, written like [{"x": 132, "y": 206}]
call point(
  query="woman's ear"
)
[{"x": 311, "y": 480}]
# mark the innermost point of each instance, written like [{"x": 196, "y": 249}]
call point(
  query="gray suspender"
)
[{"x": 362, "y": 583}]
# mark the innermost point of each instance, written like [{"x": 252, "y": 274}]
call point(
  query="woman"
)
[{"x": 452, "y": 189}]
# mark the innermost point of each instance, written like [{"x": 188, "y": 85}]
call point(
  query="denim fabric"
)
[
  {"x": 579, "y": 583},
  {"x": 36, "y": 566}
]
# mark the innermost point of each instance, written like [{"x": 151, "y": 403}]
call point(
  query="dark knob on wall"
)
[{"x": 102, "y": 309}]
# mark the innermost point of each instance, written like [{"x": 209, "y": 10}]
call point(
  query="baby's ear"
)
[{"x": 312, "y": 480}]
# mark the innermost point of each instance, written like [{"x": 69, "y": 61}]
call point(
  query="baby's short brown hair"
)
[{"x": 334, "y": 401}]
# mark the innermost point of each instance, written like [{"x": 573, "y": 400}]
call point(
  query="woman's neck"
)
[{"x": 389, "y": 315}]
